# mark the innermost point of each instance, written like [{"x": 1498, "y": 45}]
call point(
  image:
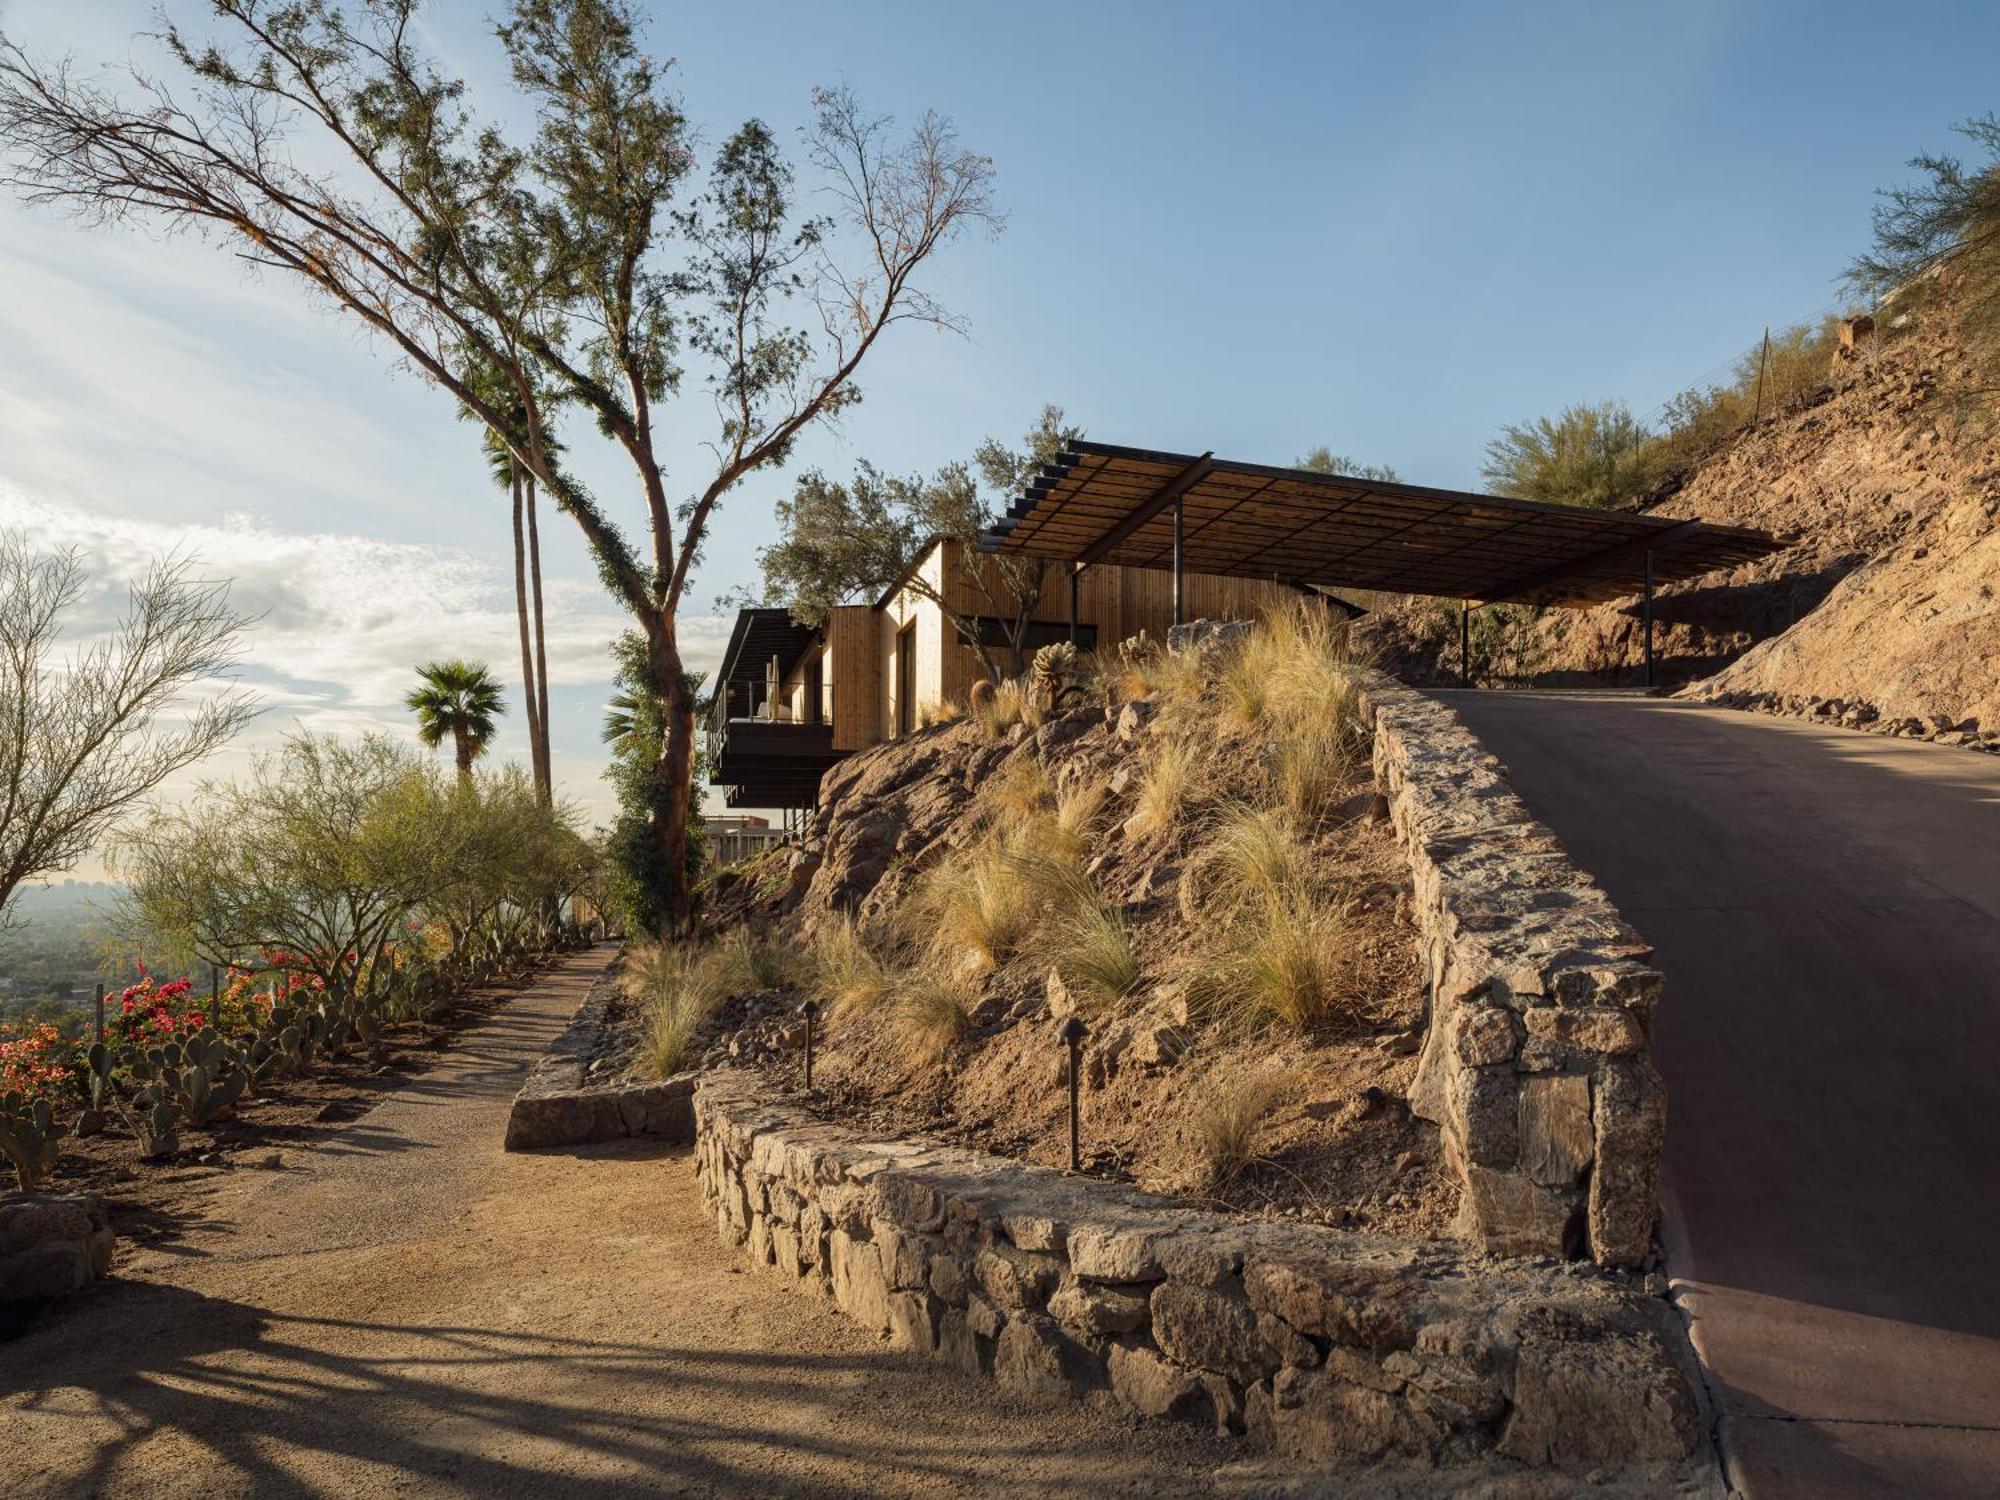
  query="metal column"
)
[
  {"x": 1465, "y": 643},
  {"x": 1649, "y": 617},
  {"x": 1179, "y": 512},
  {"x": 1075, "y": 572}
]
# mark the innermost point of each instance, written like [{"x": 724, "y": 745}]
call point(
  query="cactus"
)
[
  {"x": 98, "y": 1060},
  {"x": 29, "y": 1138},
  {"x": 1054, "y": 671},
  {"x": 152, "y": 1120},
  {"x": 1133, "y": 647},
  {"x": 208, "y": 1096}
]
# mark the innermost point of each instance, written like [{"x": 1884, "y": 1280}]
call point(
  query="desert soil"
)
[{"x": 401, "y": 1308}]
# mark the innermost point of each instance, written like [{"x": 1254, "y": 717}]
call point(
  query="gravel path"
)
[{"x": 408, "y": 1311}]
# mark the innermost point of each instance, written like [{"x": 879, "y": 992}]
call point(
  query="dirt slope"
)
[{"x": 1884, "y": 606}]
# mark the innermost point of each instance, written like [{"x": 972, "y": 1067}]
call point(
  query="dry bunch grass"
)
[
  {"x": 848, "y": 976},
  {"x": 1230, "y": 1110},
  {"x": 683, "y": 987},
  {"x": 932, "y": 1014},
  {"x": 1169, "y": 777}
]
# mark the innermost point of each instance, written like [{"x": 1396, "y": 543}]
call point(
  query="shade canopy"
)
[
  {"x": 1102, "y": 503},
  {"x": 760, "y": 635}
]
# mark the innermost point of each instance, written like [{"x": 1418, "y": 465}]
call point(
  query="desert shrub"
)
[
  {"x": 932, "y": 1014},
  {"x": 933, "y": 711},
  {"x": 1229, "y": 1109},
  {"x": 847, "y": 975}
]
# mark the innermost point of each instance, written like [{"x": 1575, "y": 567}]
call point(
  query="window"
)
[{"x": 906, "y": 678}]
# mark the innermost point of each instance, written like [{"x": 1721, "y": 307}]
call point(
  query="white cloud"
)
[{"x": 343, "y": 619}]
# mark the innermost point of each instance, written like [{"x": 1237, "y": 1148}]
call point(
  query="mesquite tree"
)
[{"x": 601, "y": 260}]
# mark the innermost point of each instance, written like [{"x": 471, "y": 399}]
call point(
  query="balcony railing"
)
[{"x": 754, "y": 703}]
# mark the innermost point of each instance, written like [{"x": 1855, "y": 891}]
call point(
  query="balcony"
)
[{"x": 770, "y": 746}]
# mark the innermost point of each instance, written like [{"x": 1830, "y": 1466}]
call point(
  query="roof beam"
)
[
  {"x": 1179, "y": 485},
  {"x": 1631, "y": 551}
]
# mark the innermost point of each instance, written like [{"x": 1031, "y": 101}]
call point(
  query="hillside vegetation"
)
[
  {"x": 1881, "y": 612},
  {"x": 1182, "y": 848}
]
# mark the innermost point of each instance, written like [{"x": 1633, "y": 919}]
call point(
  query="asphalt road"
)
[{"x": 1826, "y": 907}]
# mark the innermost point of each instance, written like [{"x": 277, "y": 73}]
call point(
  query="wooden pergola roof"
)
[{"x": 1101, "y": 503}]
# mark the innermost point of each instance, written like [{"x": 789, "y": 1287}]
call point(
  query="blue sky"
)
[{"x": 1251, "y": 228}]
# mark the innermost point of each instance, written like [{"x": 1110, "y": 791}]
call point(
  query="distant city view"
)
[{"x": 60, "y": 944}]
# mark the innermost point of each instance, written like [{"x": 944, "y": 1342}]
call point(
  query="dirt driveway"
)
[
  {"x": 1826, "y": 906},
  {"x": 408, "y": 1311}
]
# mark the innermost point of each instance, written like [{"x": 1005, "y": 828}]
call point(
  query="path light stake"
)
[
  {"x": 1072, "y": 1032},
  {"x": 810, "y": 1010},
  {"x": 100, "y": 1012},
  {"x": 215, "y": 997}
]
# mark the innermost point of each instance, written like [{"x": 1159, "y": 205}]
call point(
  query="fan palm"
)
[{"x": 460, "y": 699}]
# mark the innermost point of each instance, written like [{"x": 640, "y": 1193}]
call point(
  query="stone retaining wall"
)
[
  {"x": 1320, "y": 1343},
  {"x": 1536, "y": 1061},
  {"x": 561, "y": 1105}
]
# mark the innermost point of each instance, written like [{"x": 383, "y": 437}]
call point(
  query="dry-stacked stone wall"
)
[
  {"x": 1318, "y": 1342},
  {"x": 1536, "y": 1061}
]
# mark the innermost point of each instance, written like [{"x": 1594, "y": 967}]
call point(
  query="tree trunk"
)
[
  {"x": 462, "y": 745},
  {"x": 545, "y": 783},
  {"x": 536, "y": 758},
  {"x": 674, "y": 775}
]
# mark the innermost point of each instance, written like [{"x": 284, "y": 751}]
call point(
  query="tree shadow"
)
[{"x": 294, "y": 1405}]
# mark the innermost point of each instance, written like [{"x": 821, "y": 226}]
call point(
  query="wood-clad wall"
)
[
  {"x": 1119, "y": 602},
  {"x": 852, "y": 632}
]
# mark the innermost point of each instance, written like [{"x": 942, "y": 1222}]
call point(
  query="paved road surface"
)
[
  {"x": 405, "y": 1310},
  {"x": 1826, "y": 906}
]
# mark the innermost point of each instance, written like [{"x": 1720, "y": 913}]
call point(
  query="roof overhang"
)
[
  {"x": 1102, "y": 503},
  {"x": 761, "y": 634}
]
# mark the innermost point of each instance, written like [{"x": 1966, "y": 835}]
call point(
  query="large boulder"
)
[{"x": 52, "y": 1244}]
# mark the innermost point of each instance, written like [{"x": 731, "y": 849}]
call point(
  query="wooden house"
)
[{"x": 791, "y": 700}]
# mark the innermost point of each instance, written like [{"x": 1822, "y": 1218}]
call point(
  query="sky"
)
[{"x": 1252, "y": 228}]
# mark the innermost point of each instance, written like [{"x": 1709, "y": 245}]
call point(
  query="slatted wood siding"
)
[
  {"x": 852, "y": 636},
  {"x": 1119, "y": 602}
]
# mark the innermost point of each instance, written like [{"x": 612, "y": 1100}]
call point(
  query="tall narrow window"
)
[{"x": 906, "y": 679}]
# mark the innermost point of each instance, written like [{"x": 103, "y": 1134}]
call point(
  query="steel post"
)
[
  {"x": 1075, "y": 573},
  {"x": 1465, "y": 643},
  {"x": 1072, "y": 1033},
  {"x": 1649, "y": 617},
  {"x": 1180, "y": 511}
]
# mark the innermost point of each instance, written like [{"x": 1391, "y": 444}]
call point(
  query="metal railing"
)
[{"x": 754, "y": 703}]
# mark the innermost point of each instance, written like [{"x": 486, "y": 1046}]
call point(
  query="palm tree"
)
[
  {"x": 460, "y": 699},
  {"x": 516, "y": 479}
]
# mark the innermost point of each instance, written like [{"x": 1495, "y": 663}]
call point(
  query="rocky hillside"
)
[
  {"x": 1881, "y": 613},
  {"x": 1185, "y": 852}
]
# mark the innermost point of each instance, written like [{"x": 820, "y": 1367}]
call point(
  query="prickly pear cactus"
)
[{"x": 29, "y": 1138}]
